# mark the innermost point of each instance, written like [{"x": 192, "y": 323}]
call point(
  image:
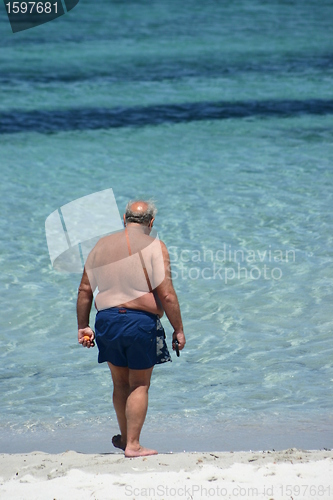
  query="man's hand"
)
[
  {"x": 86, "y": 337},
  {"x": 181, "y": 340}
]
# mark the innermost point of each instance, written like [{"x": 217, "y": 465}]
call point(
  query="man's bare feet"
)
[
  {"x": 118, "y": 442},
  {"x": 139, "y": 452}
]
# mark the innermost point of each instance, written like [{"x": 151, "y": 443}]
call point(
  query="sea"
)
[{"x": 221, "y": 112}]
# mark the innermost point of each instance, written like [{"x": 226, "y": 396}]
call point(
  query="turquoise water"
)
[{"x": 222, "y": 114}]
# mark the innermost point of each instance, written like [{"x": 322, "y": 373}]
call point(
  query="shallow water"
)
[{"x": 222, "y": 114}]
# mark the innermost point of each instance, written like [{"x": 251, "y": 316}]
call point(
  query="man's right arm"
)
[
  {"x": 84, "y": 302},
  {"x": 167, "y": 295},
  {"x": 83, "y": 306}
]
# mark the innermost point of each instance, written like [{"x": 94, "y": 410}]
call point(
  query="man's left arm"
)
[{"x": 83, "y": 307}]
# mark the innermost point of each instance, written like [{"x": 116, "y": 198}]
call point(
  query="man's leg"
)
[
  {"x": 136, "y": 410},
  {"x": 121, "y": 390}
]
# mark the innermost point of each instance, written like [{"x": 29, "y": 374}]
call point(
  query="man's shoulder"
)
[
  {"x": 163, "y": 245},
  {"x": 109, "y": 239},
  {"x": 101, "y": 245}
]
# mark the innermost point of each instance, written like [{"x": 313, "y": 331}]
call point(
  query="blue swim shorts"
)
[{"x": 129, "y": 337}]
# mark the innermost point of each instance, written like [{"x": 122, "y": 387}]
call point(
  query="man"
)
[{"x": 131, "y": 270}]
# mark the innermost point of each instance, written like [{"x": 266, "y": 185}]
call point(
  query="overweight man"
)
[{"x": 129, "y": 271}]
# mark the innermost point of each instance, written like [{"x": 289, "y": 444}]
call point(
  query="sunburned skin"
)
[{"x": 120, "y": 277}]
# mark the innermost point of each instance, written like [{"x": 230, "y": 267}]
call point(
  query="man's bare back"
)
[{"x": 116, "y": 266}]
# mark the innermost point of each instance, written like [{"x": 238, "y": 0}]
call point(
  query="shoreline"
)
[
  {"x": 258, "y": 475},
  {"x": 174, "y": 436}
]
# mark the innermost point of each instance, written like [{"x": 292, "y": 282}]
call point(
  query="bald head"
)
[
  {"x": 140, "y": 212},
  {"x": 139, "y": 207}
]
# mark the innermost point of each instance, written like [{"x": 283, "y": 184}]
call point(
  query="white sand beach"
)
[{"x": 268, "y": 475}]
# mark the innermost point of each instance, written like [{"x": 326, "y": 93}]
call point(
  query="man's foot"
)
[
  {"x": 139, "y": 452},
  {"x": 118, "y": 442}
]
